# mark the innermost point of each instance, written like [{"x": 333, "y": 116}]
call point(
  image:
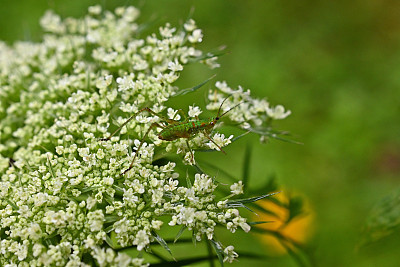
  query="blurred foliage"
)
[
  {"x": 384, "y": 220},
  {"x": 335, "y": 64}
]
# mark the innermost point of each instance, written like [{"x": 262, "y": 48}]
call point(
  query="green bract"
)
[{"x": 62, "y": 195}]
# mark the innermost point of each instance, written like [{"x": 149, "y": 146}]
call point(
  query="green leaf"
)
[
  {"x": 252, "y": 199},
  {"x": 109, "y": 229},
  {"x": 109, "y": 242},
  {"x": 162, "y": 242},
  {"x": 218, "y": 250},
  {"x": 194, "y": 240},
  {"x": 12, "y": 204},
  {"x": 118, "y": 190},
  {"x": 240, "y": 205},
  {"x": 179, "y": 233},
  {"x": 88, "y": 189},
  {"x": 111, "y": 218},
  {"x": 190, "y": 90},
  {"x": 384, "y": 219},
  {"x": 50, "y": 167},
  {"x": 180, "y": 241},
  {"x": 211, "y": 255},
  {"x": 188, "y": 182},
  {"x": 109, "y": 199}
]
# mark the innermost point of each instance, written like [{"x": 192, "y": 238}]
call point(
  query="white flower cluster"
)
[
  {"x": 196, "y": 209},
  {"x": 245, "y": 109},
  {"x": 62, "y": 193},
  {"x": 82, "y": 196}
]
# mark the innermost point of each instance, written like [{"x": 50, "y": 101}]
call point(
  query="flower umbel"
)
[{"x": 62, "y": 195}]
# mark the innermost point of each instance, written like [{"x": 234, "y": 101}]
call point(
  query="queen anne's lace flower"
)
[
  {"x": 278, "y": 112},
  {"x": 237, "y": 188},
  {"x": 196, "y": 37},
  {"x": 194, "y": 111},
  {"x": 230, "y": 255},
  {"x": 62, "y": 193}
]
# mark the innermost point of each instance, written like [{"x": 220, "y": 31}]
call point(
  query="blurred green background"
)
[{"x": 335, "y": 64}]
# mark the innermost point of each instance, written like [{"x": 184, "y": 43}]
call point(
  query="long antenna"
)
[
  {"x": 231, "y": 109},
  {"x": 219, "y": 110}
]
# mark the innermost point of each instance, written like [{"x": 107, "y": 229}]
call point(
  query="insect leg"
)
[
  {"x": 140, "y": 145},
  {"x": 209, "y": 138}
]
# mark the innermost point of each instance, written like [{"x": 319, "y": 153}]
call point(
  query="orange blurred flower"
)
[{"x": 298, "y": 229}]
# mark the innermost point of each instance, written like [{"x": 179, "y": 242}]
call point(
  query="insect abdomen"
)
[{"x": 182, "y": 130}]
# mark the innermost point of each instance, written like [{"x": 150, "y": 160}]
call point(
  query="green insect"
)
[{"x": 174, "y": 129}]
